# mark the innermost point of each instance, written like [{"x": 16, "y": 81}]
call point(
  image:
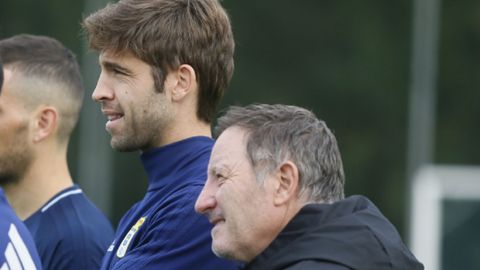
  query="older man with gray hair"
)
[{"x": 275, "y": 195}]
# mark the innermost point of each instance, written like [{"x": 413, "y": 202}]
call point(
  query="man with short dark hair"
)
[
  {"x": 165, "y": 64},
  {"x": 275, "y": 195},
  {"x": 17, "y": 249},
  {"x": 39, "y": 107}
]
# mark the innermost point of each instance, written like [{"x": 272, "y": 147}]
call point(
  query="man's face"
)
[
  {"x": 238, "y": 206},
  {"x": 137, "y": 114},
  {"x": 16, "y": 153}
]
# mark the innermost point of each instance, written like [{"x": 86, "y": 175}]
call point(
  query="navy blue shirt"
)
[
  {"x": 17, "y": 249},
  {"x": 70, "y": 232},
  {"x": 162, "y": 231}
]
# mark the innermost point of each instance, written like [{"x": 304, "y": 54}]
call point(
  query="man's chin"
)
[
  {"x": 219, "y": 252},
  {"x": 223, "y": 252},
  {"x": 123, "y": 145}
]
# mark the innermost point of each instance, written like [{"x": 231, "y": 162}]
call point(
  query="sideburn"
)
[
  {"x": 158, "y": 79},
  {"x": 17, "y": 158}
]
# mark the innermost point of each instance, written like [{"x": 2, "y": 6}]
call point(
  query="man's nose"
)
[
  {"x": 206, "y": 200},
  {"x": 103, "y": 91}
]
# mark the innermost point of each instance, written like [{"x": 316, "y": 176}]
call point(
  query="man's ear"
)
[
  {"x": 186, "y": 82},
  {"x": 45, "y": 123},
  {"x": 287, "y": 183}
]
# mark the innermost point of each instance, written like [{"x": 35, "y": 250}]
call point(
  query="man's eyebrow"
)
[
  {"x": 219, "y": 168},
  {"x": 214, "y": 169},
  {"x": 114, "y": 66}
]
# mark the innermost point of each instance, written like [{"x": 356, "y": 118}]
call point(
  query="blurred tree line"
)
[{"x": 348, "y": 61}]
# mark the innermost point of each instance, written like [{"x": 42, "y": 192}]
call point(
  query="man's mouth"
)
[
  {"x": 217, "y": 220},
  {"x": 113, "y": 117}
]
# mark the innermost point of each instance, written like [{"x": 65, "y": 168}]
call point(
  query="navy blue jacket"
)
[
  {"x": 70, "y": 232},
  {"x": 17, "y": 249},
  {"x": 162, "y": 231}
]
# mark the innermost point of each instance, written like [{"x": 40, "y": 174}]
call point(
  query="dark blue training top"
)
[
  {"x": 162, "y": 231},
  {"x": 70, "y": 232},
  {"x": 17, "y": 249}
]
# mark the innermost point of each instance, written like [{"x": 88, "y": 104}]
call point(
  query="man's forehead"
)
[
  {"x": 123, "y": 60},
  {"x": 222, "y": 162},
  {"x": 110, "y": 56},
  {"x": 231, "y": 138},
  {"x": 116, "y": 56},
  {"x": 218, "y": 158},
  {"x": 229, "y": 145}
]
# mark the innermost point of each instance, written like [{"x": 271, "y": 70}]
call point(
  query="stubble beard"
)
[
  {"x": 15, "y": 161},
  {"x": 143, "y": 132}
]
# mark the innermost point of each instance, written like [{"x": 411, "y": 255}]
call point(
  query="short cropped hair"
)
[
  {"x": 166, "y": 34},
  {"x": 276, "y": 133},
  {"x": 49, "y": 75}
]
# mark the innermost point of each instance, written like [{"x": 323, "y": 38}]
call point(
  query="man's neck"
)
[
  {"x": 42, "y": 180},
  {"x": 180, "y": 130}
]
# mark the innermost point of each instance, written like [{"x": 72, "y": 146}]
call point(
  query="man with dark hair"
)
[
  {"x": 39, "y": 107},
  {"x": 165, "y": 64},
  {"x": 17, "y": 249},
  {"x": 275, "y": 195}
]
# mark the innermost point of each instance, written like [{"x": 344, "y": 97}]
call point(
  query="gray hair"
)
[{"x": 277, "y": 133}]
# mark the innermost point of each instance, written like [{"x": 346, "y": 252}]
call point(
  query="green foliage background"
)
[{"x": 348, "y": 61}]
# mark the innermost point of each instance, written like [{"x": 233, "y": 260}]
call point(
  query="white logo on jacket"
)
[
  {"x": 122, "y": 249},
  {"x": 17, "y": 255}
]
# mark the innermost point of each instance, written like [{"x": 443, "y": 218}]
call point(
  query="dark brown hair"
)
[{"x": 168, "y": 33}]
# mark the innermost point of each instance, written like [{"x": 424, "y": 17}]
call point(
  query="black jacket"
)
[{"x": 349, "y": 234}]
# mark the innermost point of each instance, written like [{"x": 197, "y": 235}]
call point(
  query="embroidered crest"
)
[{"x": 122, "y": 249}]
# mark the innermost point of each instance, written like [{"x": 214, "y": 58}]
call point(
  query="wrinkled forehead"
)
[{"x": 230, "y": 146}]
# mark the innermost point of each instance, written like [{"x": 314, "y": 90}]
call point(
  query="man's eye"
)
[
  {"x": 117, "y": 71},
  {"x": 220, "y": 179}
]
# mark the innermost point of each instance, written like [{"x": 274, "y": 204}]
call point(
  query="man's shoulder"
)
[
  {"x": 188, "y": 190},
  {"x": 165, "y": 233},
  {"x": 71, "y": 222},
  {"x": 179, "y": 199},
  {"x": 68, "y": 213},
  {"x": 70, "y": 232},
  {"x": 16, "y": 246},
  {"x": 177, "y": 207},
  {"x": 15, "y": 236}
]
